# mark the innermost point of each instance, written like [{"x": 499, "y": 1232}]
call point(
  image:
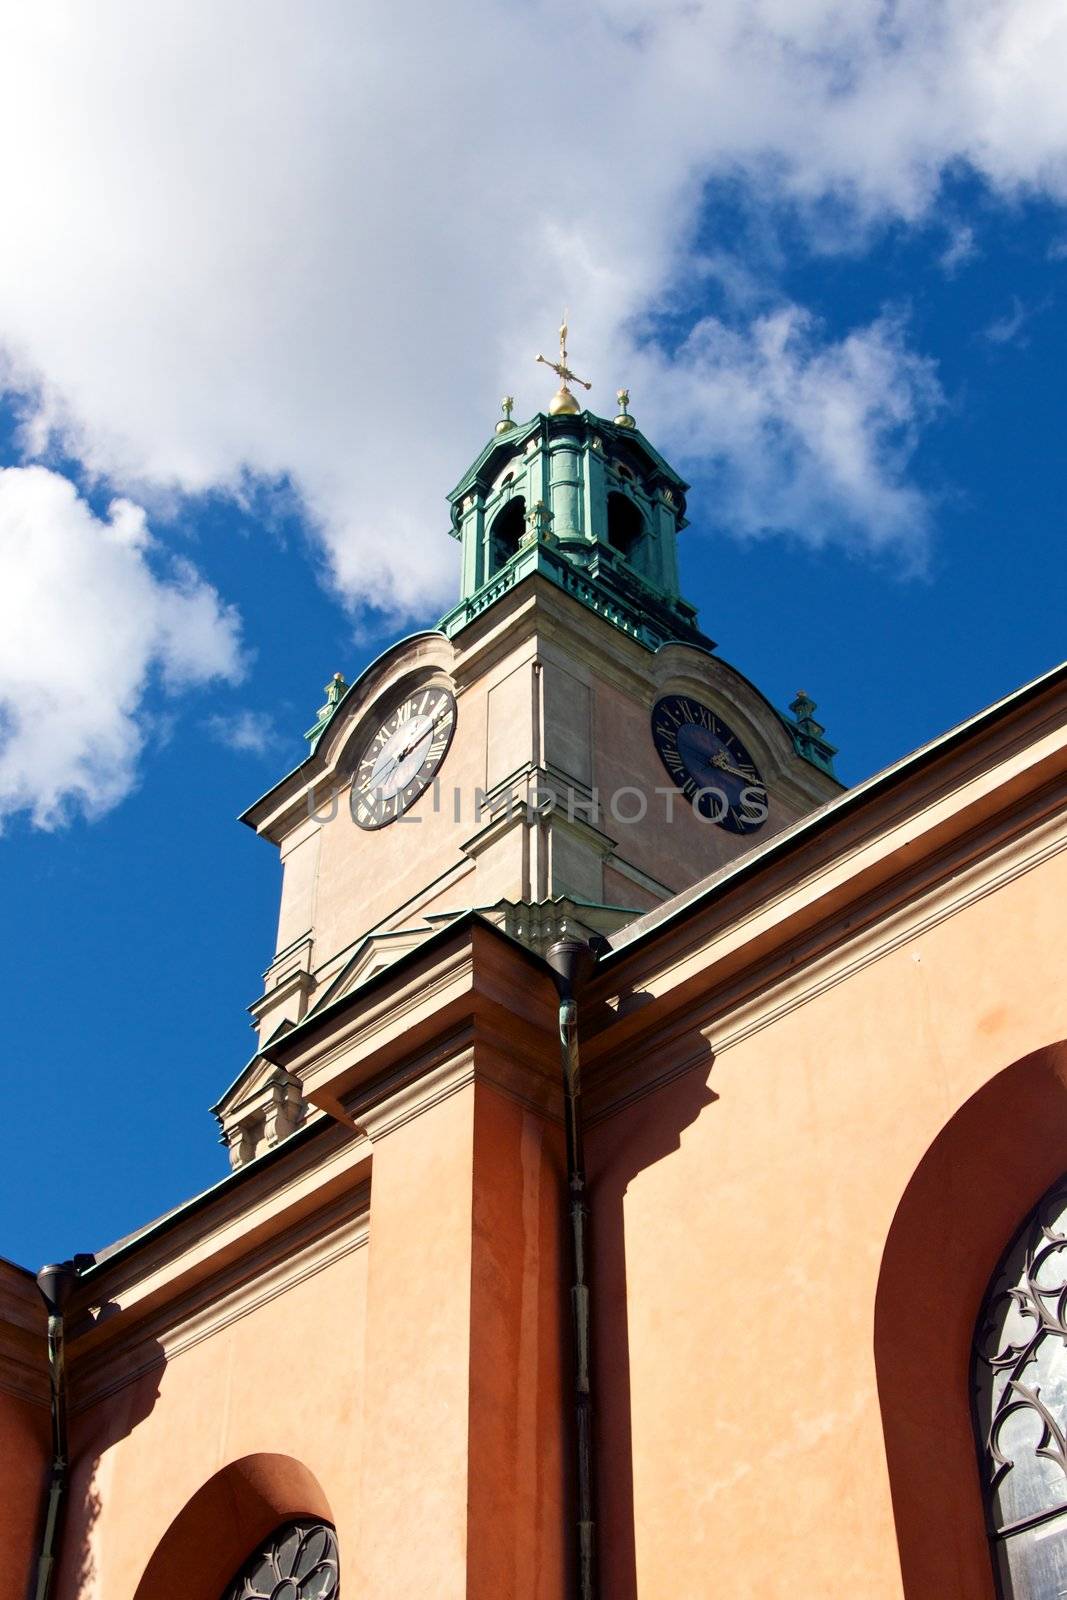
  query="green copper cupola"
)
[{"x": 584, "y": 501}]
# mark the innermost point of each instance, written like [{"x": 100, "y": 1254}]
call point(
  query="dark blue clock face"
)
[{"x": 709, "y": 764}]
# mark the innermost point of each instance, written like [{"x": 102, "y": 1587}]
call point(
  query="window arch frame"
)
[
  {"x": 272, "y": 1548},
  {"x": 1015, "y": 1286}
]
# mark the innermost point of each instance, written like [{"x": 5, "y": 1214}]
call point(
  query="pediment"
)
[
  {"x": 252, "y": 1081},
  {"x": 373, "y": 954}
]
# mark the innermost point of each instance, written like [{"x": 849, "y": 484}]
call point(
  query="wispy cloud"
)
[
  {"x": 960, "y": 249},
  {"x": 804, "y": 435},
  {"x": 1009, "y": 328},
  {"x": 252, "y": 732}
]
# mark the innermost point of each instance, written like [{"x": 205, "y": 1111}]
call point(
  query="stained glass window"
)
[
  {"x": 1020, "y": 1397},
  {"x": 298, "y": 1562}
]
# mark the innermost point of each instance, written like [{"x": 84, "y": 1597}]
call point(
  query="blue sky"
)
[{"x": 277, "y": 340}]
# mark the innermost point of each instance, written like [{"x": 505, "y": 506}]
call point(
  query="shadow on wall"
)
[
  {"x": 638, "y": 1138},
  {"x": 989, "y": 1165},
  {"x": 212, "y": 1537},
  {"x": 93, "y": 1430}
]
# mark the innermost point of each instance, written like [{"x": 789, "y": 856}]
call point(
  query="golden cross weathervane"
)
[{"x": 563, "y": 400}]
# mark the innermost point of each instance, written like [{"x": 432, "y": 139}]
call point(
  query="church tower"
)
[{"x": 561, "y": 753}]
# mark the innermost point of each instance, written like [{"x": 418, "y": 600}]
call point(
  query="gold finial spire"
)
[
  {"x": 507, "y": 406},
  {"x": 624, "y": 419},
  {"x": 563, "y": 401}
]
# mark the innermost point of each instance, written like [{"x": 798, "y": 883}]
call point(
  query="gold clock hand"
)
[{"x": 723, "y": 765}]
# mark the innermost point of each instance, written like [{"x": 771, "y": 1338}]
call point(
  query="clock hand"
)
[
  {"x": 723, "y": 765},
  {"x": 379, "y": 773},
  {"x": 413, "y": 743},
  {"x": 410, "y": 744}
]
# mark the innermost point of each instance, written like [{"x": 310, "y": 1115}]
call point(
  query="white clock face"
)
[{"x": 401, "y": 758}]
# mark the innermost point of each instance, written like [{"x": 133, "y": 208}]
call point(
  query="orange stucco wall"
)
[
  {"x": 463, "y": 1464},
  {"x": 411, "y": 1391},
  {"x": 284, "y": 1377},
  {"x": 414, "y": 1488},
  {"x": 742, "y": 1217},
  {"x": 519, "y": 1525}
]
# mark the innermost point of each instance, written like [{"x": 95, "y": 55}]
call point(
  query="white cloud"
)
[
  {"x": 251, "y": 732},
  {"x": 1002, "y": 330},
  {"x": 961, "y": 247},
  {"x": 1008, "y": 329},
  {"x": 800, "y": 434},
  {"x": 85, "y": 620},
  {"x": 321, "y": 240}
]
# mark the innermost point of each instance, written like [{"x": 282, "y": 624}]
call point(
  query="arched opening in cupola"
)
[
  {"x": 626, "y": 525},
  {"x": 506, "y": 533}
]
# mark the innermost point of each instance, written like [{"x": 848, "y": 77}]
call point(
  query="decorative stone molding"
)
[
  {"x": 271, "y": 1107},
  {"x": 538, "y": 924}
]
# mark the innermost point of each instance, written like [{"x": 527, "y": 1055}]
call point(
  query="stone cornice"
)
[
  {"x": 217, "y": 1231},
  {"x": 286, "y": 1257},
  {"x": 468, "y": 974}
]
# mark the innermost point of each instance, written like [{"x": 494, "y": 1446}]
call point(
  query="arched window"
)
[
  {"x": 297, "y": 1562},
  {"x": 506, "y": 533},
  {"x": 626, "y": 525},
  {"x": 1020, "y": 1404}
]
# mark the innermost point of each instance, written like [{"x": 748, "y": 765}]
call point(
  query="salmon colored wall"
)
[
  {"x": 519, "y": 1371},
  {"x": 414, "y": 1491},
  {"x": 25, "y": 1435},
  {"x": 463, "y": 1462},
  {"x": 741, "y": 1217},
  {"x": 283, "y": 1379}
]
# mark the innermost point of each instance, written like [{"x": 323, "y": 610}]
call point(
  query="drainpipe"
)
[
  {"x": 55, "y": 1284},
  {"x": 571, "y": 961}
]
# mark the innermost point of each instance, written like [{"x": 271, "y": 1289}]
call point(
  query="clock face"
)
[
  {"x": 709, "y": 764},
  {"x": 400, "y": 759}
]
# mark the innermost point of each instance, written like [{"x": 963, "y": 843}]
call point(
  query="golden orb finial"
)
[
  {"x": 563, "y": 402},
  {"x": 507, "y": 406},
  {"x": 624, "y": 419}
]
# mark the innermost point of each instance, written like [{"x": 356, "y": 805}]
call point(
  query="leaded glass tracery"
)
[
  {"x": 299, "y": 1561},
  {"x": 1020, "y": 1384}
]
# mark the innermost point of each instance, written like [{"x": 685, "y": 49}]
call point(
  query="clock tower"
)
[{"x": 561, "y": 753}]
